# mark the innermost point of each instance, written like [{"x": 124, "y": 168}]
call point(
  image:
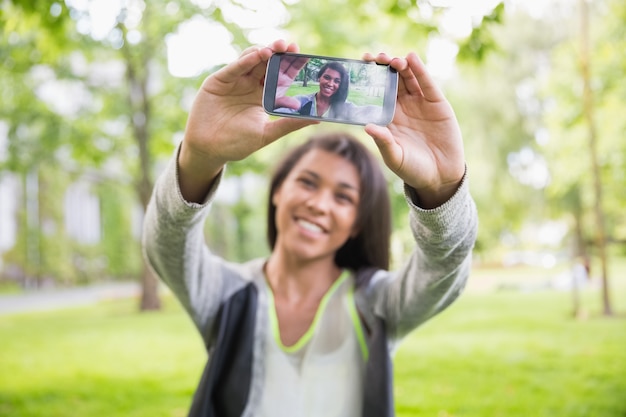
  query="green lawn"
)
[
  {"x": 500, "y": 353},
  {"x": 355, "y": 95}
]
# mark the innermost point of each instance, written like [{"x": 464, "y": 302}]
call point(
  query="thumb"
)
[
  {"x": 285, "y": 125},
  {"x": 384, "y": 140}
]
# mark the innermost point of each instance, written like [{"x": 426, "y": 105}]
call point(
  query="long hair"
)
[
  {"x": 341, "y": 94},
  {"x": 370, "y": 247}
]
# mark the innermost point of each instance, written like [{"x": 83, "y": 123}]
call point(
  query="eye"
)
[
  {"x": 345, "y": 198},
  {"x": 306, "y": 182}
]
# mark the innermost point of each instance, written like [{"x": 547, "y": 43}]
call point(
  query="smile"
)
[{"x": 311, "y": 227}]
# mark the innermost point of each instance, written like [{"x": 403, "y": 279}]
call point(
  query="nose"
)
[{"x": 319, "y": 202}]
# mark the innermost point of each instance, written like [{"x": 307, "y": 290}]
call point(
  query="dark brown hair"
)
[
  {"x": 344, "y": 85},
  {"x": 370, "y": 247}
]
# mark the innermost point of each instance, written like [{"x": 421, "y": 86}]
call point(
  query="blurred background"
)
[{"x": 95, "y": 95}]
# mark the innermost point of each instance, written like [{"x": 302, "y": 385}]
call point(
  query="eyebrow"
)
[
  {"x": 341, "y": 184},
  {"x": 328, "y": 77}
]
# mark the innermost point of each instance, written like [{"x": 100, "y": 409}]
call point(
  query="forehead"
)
[
  {"x": 328, "y": 166},
  {"x": 333, "y": 73}
]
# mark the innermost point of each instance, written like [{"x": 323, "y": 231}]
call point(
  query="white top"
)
[{"x": 322, "y": 373}]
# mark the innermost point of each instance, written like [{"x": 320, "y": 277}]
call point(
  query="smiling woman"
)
[
  {"x": 309, "y": 329},
  {"x": 316, "y": 204}
]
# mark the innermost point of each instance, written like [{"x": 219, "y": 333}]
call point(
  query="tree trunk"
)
[
  {"x": 305, "y": 81},
  {"x": 580, "y": 252},
  {"x": 137, "y": 76},
  {"x": 588, "y": 112}
]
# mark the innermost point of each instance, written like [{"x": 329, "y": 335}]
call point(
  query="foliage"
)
[
  {"x": 481, "y": 41},
  {"x": 515, "y": 86},
  {"x": 567, "y": 150},
  {"x": 126, "y": 109},
  {"x": 499, "y": 123},
  {"x": 43, "y": 249},
  {"x": 499, "y": 353},
  {"x": 120, "y": 245}
]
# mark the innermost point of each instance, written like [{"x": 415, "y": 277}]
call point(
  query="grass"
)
[
  {"x": 493, "y": 353},
  {"x": 511, "y": 354},
  {"x": 355, "y": 95}
]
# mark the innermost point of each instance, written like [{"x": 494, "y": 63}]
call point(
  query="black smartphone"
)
[{"x": 330, "y": 89}]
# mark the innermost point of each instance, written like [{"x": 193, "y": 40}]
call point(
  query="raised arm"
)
[
  {"x": 227, "y": 121},
  {"x": 423, "y": 143},
  {"x": 424, "y": 147}
]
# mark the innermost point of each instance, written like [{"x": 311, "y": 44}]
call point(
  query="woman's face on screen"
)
[{"x": 330, "y": 81}]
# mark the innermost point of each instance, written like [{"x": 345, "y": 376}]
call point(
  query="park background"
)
[
  {"x": 366, "y": 82},
  {"x": 94, "y": 100}
]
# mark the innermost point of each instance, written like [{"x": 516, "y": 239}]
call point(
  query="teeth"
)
[{"x": 310, "y": 226}]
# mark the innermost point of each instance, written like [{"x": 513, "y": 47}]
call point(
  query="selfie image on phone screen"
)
[{"x": 331, "y": 89}]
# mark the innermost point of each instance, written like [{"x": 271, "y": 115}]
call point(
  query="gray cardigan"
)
[{"x": 230, "y": 312}]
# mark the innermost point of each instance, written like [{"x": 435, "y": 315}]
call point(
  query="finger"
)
[
  {"x": 279, "y": 45},
  {"x": 381, "y": 58},
  {"x": 293, "y": 47},
  {"x": 429, "y": 88},
  {"x": 383, "y": 138},
  {"x": 378, "y": 133},
  {"x": 251, "y": 57},
  {"x": 249, "y": 50},
  {"x": 409, "y": 82},
  {"x": 283, "y": 126},
  {"x": 291, "y": 65},
  {"x": 244, "y": 65},
  {"x": 367, "y": 57}
]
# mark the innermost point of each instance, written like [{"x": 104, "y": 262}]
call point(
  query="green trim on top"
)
[
  {"x": 318, "y": 314},
  {"x": 356, "y": 322}
]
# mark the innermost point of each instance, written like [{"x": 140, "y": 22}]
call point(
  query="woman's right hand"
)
[{"x": 227, "y": 121}]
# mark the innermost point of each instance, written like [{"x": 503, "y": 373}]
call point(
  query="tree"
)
[
  {"x": 589, "y": 117},
  {"x": 34, "y": 59},
  {"x": 588, "y": 149},
  {"x": 132, "y": 115},
  {"x": 500, "y": 117},
  {"x": 121, "y": 125}
]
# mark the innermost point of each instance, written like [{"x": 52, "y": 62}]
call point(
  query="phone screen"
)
[{"x": 330, "y": 89}]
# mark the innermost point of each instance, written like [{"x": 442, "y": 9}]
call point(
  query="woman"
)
[
  {"x": 308, "y": 331},
  {"x": 333, "y": 91},
  {"x": 330, "y": 101}
]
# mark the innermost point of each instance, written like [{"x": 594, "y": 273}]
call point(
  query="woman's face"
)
[
  {"x": 316, "y": 206},
  {"x": 330, "y": 80}
]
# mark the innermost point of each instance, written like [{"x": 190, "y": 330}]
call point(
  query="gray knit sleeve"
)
[
  {"x": 174, "y": 246},
  {"x": 437, "y": 270}
]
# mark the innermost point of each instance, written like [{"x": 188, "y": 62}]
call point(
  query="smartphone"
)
[{"x": 330, "y": 89}]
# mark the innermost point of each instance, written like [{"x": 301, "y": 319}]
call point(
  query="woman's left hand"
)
[
  {"x": 423, "y": 144},
  {"x": 289, "y": 68}
]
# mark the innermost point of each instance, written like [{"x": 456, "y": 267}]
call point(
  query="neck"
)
[
  {"x": 296, "y": 282},
  {"x": 322, "y": 100},
  {"x": 322, "y": 104}
]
